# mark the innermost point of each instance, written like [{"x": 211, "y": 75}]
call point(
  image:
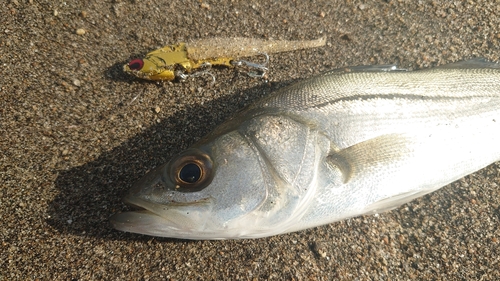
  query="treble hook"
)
[
  {"x": 206, "y": 71},
  {"x": 260, "y": 67}
]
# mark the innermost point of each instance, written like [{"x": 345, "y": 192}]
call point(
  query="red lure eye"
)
[{"x": 136, "y": 64}]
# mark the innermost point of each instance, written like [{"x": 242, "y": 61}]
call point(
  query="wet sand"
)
[{"x": 76, "y": 132}]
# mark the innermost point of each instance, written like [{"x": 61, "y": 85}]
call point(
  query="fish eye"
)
[
  {"x": 136, "y": 64},
  {"x": 191, "y": 171}
]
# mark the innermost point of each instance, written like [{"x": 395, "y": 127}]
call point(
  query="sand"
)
[{"x": 76, "y": 132}]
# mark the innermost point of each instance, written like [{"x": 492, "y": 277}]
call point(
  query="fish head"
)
[{"x": 211, "y": 191}]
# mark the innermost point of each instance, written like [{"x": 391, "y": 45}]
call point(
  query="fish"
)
[
  {"x": 353, "y": 141},
  {"x": 181, "y": 59}
]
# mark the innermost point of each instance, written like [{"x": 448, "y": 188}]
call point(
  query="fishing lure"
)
[{"x": 182, "y": 59}]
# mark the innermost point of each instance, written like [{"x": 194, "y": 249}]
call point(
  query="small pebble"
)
[{"x": 80, "y": 31}]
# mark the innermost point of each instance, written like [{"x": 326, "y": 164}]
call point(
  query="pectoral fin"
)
[{"x": 370, "y": 155}]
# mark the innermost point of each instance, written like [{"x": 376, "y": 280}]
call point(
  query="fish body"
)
[
  {"x": 164, "y": 63},
  {"x": 349, "y": 142}
]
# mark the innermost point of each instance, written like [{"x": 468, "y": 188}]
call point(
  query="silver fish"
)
[{"x": 356, "y": 141}]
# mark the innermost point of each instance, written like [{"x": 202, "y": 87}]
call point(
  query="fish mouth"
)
[
  {"x": 135, "y": 221},
  {"x": 175, "y": 219},
  {"x": 145, "y": 222}
]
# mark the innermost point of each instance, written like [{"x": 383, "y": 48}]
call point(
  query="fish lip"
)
[
  {"x": 134, "y": 206},
  {"x": 121, "y": 220}
]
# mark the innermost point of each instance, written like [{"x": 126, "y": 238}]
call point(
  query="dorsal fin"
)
[
  {"x": 367, "y": 68},
  {"x": 476, "y": 63}
]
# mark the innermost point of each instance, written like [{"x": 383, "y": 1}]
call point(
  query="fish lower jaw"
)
[{"x": 147, "y": 222}]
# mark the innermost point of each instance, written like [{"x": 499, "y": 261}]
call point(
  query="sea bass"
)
[{"x": 349, "y": 142}]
